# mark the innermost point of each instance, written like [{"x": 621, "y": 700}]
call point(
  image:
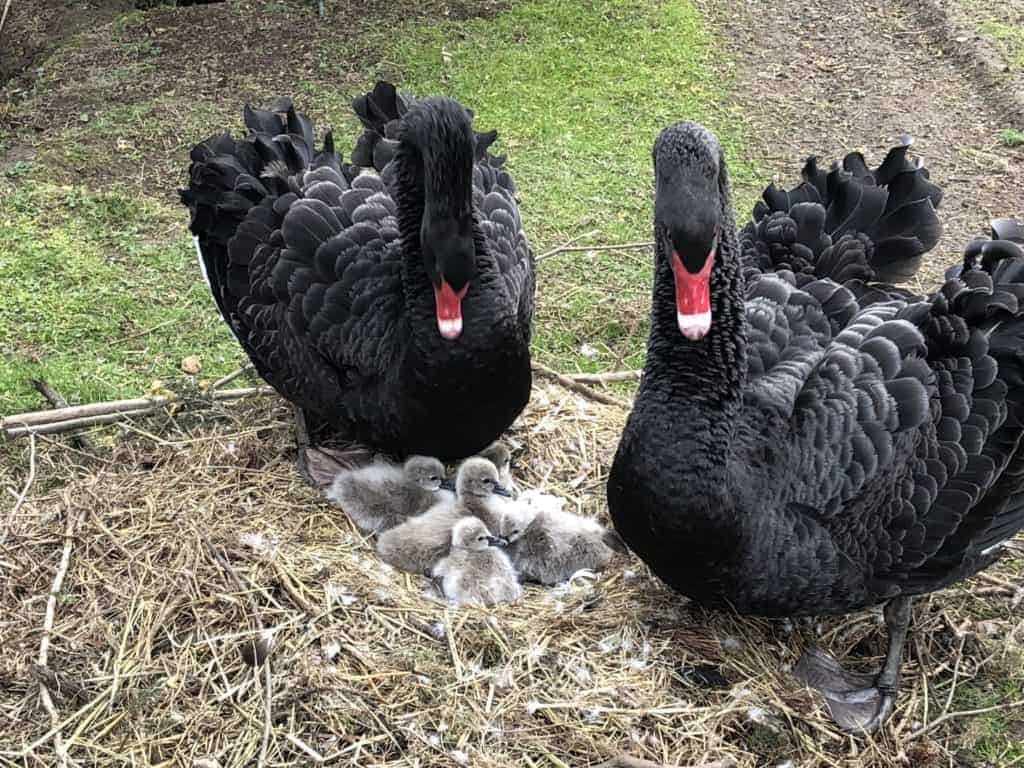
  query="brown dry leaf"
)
[{"x": 192, "y": 365}]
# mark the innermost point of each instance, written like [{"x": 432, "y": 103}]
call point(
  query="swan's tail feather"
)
[
  {"x": 849, "y": 223},
  {"x": 233, "y": 185},
  {"x": 381, "y": 111}
]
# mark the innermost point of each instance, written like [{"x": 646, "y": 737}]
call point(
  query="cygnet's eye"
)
[
  {"x": 481, "y": 538},
  {"x": 434, "y": 477},
  {"x": 488, "y": 481}
]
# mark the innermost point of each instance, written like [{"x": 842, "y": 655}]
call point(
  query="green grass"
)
[
  {"x": 101, "y": 296},
  {"x": 578, "y": 92},
  {"x": 1010, "y": 38},
  {"x": 1011, "y": 137}
]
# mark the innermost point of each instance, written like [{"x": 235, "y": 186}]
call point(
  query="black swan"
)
[
  {"x": 808, "y": 453},
  {"x": 395, "y": 308}
]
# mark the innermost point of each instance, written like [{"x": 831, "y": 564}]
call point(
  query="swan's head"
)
[
  {"x": 478, "y": 477},
  {"x": 425, "y": 471},
  {"x": 516, "y": 519},
  {"x": 688, "y": 218},
  {"x": 499, "y": 455},
  {"x": 471, "y": 533},
  {"x": 440, "y": 131}
]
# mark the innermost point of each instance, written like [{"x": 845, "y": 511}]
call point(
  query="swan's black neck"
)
[
  {"x": 695, "y": 388},
  {"x": 433, "y": 181}
]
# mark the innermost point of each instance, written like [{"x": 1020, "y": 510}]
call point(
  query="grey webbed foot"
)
[
  {"x": 320, "y": 464},
  {"x": 860, "y": 702},
  {"x": 854, "y": 700}
]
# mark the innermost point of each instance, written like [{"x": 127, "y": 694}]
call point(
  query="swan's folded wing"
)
[
  {"x": 502, "y": 227},
  {"x": 900, "y": 426}
]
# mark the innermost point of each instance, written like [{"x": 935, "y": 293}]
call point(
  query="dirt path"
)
[{"x": 825, "y": 76}]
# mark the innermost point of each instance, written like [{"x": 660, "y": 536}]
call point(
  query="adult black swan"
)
[
  {"x": 395, "y": 308},
  {"x": 801, "y": 453}
]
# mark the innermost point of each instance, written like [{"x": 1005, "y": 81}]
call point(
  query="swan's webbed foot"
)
[
  {"x": 860, "y": 702},
  {"x": 320, "y": 464}
]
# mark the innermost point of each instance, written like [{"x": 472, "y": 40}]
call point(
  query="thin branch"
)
[
  {"x": 3, "y": 18},
  {"x": 56, "y": 399},
  {"x": 28, "y": 484},
  {"x": 604, "y": 378},
  {"x": 579, "y": 388},
  {"x": 44, "y": 644},
  {"x": 72, "y": 424},
  {"x": 610, "y": 247},
  {"x": 268, "y": 695},
  {"x": 565, "y": 246},
  {"x": 77, "y": 416},
  {"x": 963, "y": 713},
  {"x": 146, "y": 332},
  {"x": 625, "y": 761},
  {"x": 231, "y": 376}
]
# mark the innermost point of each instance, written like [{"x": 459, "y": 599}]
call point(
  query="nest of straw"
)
[{"x": 189, "y": 536}]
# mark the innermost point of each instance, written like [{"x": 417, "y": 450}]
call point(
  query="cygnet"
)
[
  {"x": 476, "y": 573},
  {"x": 417, "y": 544},
  {"x": 548, "y": 546},
  {"x": 383, "y": 495}
]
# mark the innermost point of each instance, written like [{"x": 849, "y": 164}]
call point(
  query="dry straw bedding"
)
[{"x": 368, "y": 667}]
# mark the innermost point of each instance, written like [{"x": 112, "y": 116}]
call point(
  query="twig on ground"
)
[
  {"x": 28, "y": 484},
  {"x": 608, "y": 247},
  {"x": 293, "y": 592},
  {"x": 3, "y": 18},
  {"x": 146, "y": 332},
  {"x": 605, "y": 378},
  {"x": 564, "y": 246},
  {"x": 268, "y": 695},
  {"x": 579, "y": 388},
  {"x": 56, "y": 399},
  {"x": 65, "y": 419},
  {"x": 44, "y": 644},
  {"x": 963, "y": 713},
  {"x": 625, "y": 761},
  {"x": 231, "y": 376}
]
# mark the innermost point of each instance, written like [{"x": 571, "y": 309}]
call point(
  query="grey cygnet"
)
[
  {"x": 476, "y": 573},
  {"x": 383, "y": 495}
]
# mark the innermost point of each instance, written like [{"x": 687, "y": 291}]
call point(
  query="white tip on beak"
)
[
  {"x": 450, "y": 329},
  {"x": 694, "y": 327}
]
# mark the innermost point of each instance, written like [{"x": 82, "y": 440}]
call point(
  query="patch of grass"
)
[
  {"x": 1010, "y": 38},
  {"x": 996, "y": 737},
  {"x": 578, "y": 92},
  {"x": 101, "y": 296},
  {"x": 1011, "y": 137}
]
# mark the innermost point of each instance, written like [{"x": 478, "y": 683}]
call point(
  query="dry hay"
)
[{"x": 368, "y": 668}]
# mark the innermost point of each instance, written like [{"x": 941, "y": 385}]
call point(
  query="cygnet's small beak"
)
[
  {"x": 501, "y": 490},
  {"x": 448, "y": 485},
  {"x": 497, "y": 541}
]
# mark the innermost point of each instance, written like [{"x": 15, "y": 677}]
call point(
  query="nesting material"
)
[{"x": 145, "y": 665}]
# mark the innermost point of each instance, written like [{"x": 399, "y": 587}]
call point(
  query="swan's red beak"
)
[
  {"x": 693, "y": 296},
  {"x": 449, "y": 309}
]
